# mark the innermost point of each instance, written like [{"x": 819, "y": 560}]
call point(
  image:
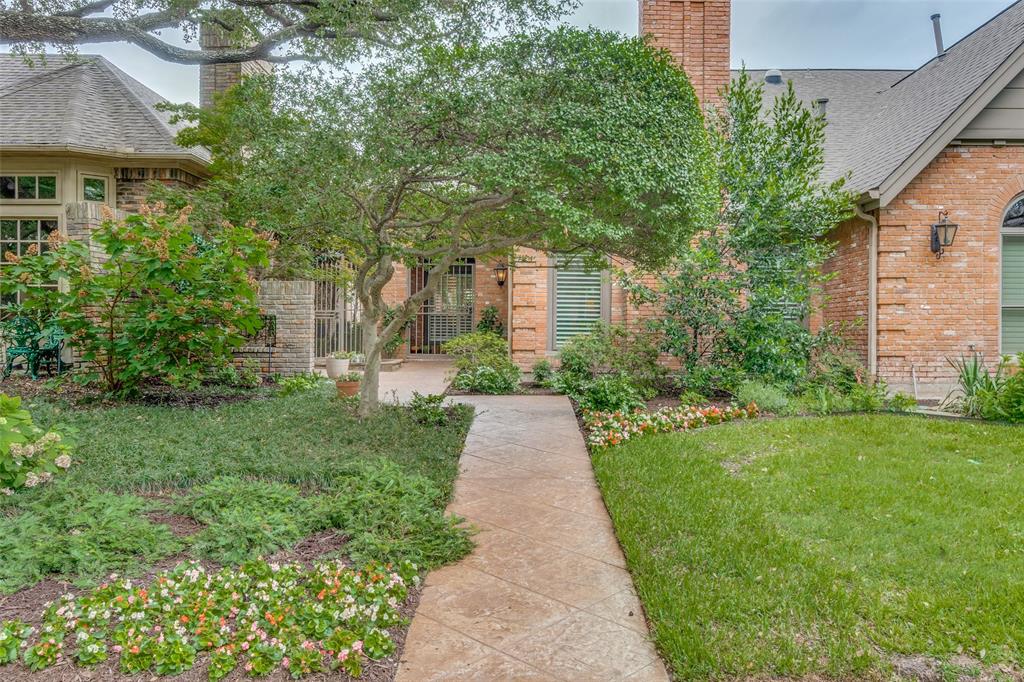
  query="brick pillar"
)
[
  {"x": 216, "y": 78},
  {"x": 696, "y": 32},
  {"x": 82, "y": 217}
]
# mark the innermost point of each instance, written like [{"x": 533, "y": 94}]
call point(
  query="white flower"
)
[{"x": 64, "y": 461}]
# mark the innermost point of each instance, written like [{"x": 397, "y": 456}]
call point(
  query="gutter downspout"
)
[{"x": 872, "y": 222}]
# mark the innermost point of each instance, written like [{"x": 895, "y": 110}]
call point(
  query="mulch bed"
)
[
  {"x": 28, "y": 605},
  {"x": 71, "y": 393}
]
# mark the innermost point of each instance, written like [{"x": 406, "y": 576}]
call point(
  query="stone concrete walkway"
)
[{"x": 545, "y": 595}]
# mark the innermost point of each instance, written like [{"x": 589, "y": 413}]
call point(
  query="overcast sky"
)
[{"x": 765, "y": 33}]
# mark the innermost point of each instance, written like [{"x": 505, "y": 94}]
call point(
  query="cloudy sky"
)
[{"x": 765, "y": 33}]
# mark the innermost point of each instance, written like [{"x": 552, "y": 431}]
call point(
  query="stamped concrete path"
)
[{"x": 545, "y": 595}]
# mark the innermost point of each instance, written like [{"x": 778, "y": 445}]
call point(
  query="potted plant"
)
[
  {"x": 338, "y": 362},
  {"x": 348, "y": 384}
]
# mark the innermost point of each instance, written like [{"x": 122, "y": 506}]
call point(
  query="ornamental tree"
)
[
  {"x": 560, "y": 140},
  {"x": 158, "y": 303},
  {"x": 269, "y": 30},
  {"x": 737, "y": 296}
]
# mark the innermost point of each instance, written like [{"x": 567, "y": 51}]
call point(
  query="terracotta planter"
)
[
  {"x": 347, "y": 389},
  {"x": 336, "y": 367}
]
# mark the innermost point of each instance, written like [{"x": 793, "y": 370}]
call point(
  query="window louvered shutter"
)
[
  {"x": 1013, "y": 294},
  {"x": 577, "y": 300}
]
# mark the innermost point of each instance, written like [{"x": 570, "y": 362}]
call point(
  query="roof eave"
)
[
  {"x": 184, "y": 159},
  {"x": 940, "y": 138}
]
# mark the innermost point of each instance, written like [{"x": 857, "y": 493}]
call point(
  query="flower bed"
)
[
  {"x": 605, "y": 429},
  {"x": 261, "y": 616}
]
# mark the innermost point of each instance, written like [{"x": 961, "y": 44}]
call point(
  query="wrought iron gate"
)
[
  {"x": 336, "y": 309},
  {"x": 448, "y": 313}
]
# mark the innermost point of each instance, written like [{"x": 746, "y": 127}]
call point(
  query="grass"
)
[
  {"x": 825, "y": 545},
  {"x": 301, "y": 438},
  {"x": 259, "y": 475}
]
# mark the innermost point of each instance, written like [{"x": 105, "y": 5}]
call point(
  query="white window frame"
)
[
  {"x": 107, "y": 183},
  {"x": 552, "y": 341},
  {"x": 1003, "y": 233},
  {"x": 37, "y": 173}
]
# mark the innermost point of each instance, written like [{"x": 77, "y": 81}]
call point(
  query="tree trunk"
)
[{"x": 369, "y": 388}]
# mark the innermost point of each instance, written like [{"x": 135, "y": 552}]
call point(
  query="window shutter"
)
[
  {"x": 1013, "y": 294},
  {"x": 578, "y": 300}
]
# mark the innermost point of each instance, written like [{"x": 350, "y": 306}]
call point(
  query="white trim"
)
[{"x": 1005, "y": 232}]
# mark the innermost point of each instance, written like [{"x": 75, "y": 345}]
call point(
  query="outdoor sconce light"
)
[
  {"x": 501, "y": 274},
  {"x": 943, "y": 234}
]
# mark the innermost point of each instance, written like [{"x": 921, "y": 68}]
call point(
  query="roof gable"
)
[{"x": 922, "y": 113}]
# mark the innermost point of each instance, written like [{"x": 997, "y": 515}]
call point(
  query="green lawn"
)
[
  {"x": 825, "y": 545},
  {"x": 256, "y": 477}
]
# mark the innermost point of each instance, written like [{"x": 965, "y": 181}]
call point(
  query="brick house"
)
[{"x": 948, "y": 136}]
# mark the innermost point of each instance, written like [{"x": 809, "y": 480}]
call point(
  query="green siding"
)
[
  {"x": 577, "y": 300},
  {"x": 1013, "y": 294}
]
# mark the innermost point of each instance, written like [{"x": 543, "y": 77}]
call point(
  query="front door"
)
[{"x": 448, "y": 313}]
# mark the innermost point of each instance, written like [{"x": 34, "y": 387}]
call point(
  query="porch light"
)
[
  {"x": 943, "y": 234},
  {"x": 501, "y": 274}
]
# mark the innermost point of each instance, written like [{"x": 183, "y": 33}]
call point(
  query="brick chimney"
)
[
  {"x": 696, "y": 32},
  {"x": 216, "y": 78}
]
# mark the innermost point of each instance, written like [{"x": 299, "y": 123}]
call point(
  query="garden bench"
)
[{"x": 37, "y": 346}]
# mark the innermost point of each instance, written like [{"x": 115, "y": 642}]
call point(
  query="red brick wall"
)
[
  {"x": 134, "y": 185},
  {"x": 485, "y": 284},
  {"x": 529, "y": 300},
  {"x": 696, "y": 32},
  {"x": 932, "y": 309},
  {"x": 846, "y": 293}
]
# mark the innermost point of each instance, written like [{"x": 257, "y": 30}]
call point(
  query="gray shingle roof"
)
[
  {"x": 878, "y": 119},
  {"x": 86, "y": 103},
  {"x": 852, "y": 96}
]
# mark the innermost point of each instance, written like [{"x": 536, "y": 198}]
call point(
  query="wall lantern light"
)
[
  {"x": 501, "y": 274},
  {"x": 943, "y": 234}
]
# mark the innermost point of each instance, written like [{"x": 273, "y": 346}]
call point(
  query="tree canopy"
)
[
  {"x": 560, "y": 140},
  {"x": 270, "y": 30}
]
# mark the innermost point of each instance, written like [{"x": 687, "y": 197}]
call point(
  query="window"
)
[
  {"x": 28, "y": 187},
  {"x": 1013, "y": 279},
  {"x": 17, "y": 235},
  {"x": 94, "y": 189},
  {"x": 578, "y": 300}
]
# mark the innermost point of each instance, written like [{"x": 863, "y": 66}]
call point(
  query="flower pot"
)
[
  {"x": 336, "y": 367},
  {"x": 347, "y": 389}
]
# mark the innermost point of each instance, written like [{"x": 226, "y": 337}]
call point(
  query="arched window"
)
[{"x": 1013, "y": 279}]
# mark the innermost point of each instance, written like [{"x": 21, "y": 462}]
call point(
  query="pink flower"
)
[{"x": 285, "y": 662}]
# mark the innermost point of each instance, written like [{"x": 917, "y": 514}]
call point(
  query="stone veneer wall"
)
[
  {"x": 135, "y": 184},
  {"x": 291, "y": 302},
  {"x": 81, "y": 219}
]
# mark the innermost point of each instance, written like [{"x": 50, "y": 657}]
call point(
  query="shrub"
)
[
  {"x": 487, "y": 379},
  {"x": 260, "y": 616},
  {"x": 475, "y": 349},
  {"x": 690, "y": 397},
  {"x": 301, "y": 383},
  {"x": 163, "y": 304},
  {"x": 901, "y": 402},
  {"x": 490, "y": 322},
  {"x": 611, "y": 349},
  {"x": 768, "y": 397},
  {"x": 611, "y": 393},
  {"x": 868, "y": 397},
  {"x": 483, "y": 364},
  {"x": 429, "y": 409},
  {"x": 28, "y": 456},
  {"x": 542, "y": 372},
  {"x": 79, "y": 532},
  {"x": 246, "y": 519},
  {"x": 977, "y": 389}
]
